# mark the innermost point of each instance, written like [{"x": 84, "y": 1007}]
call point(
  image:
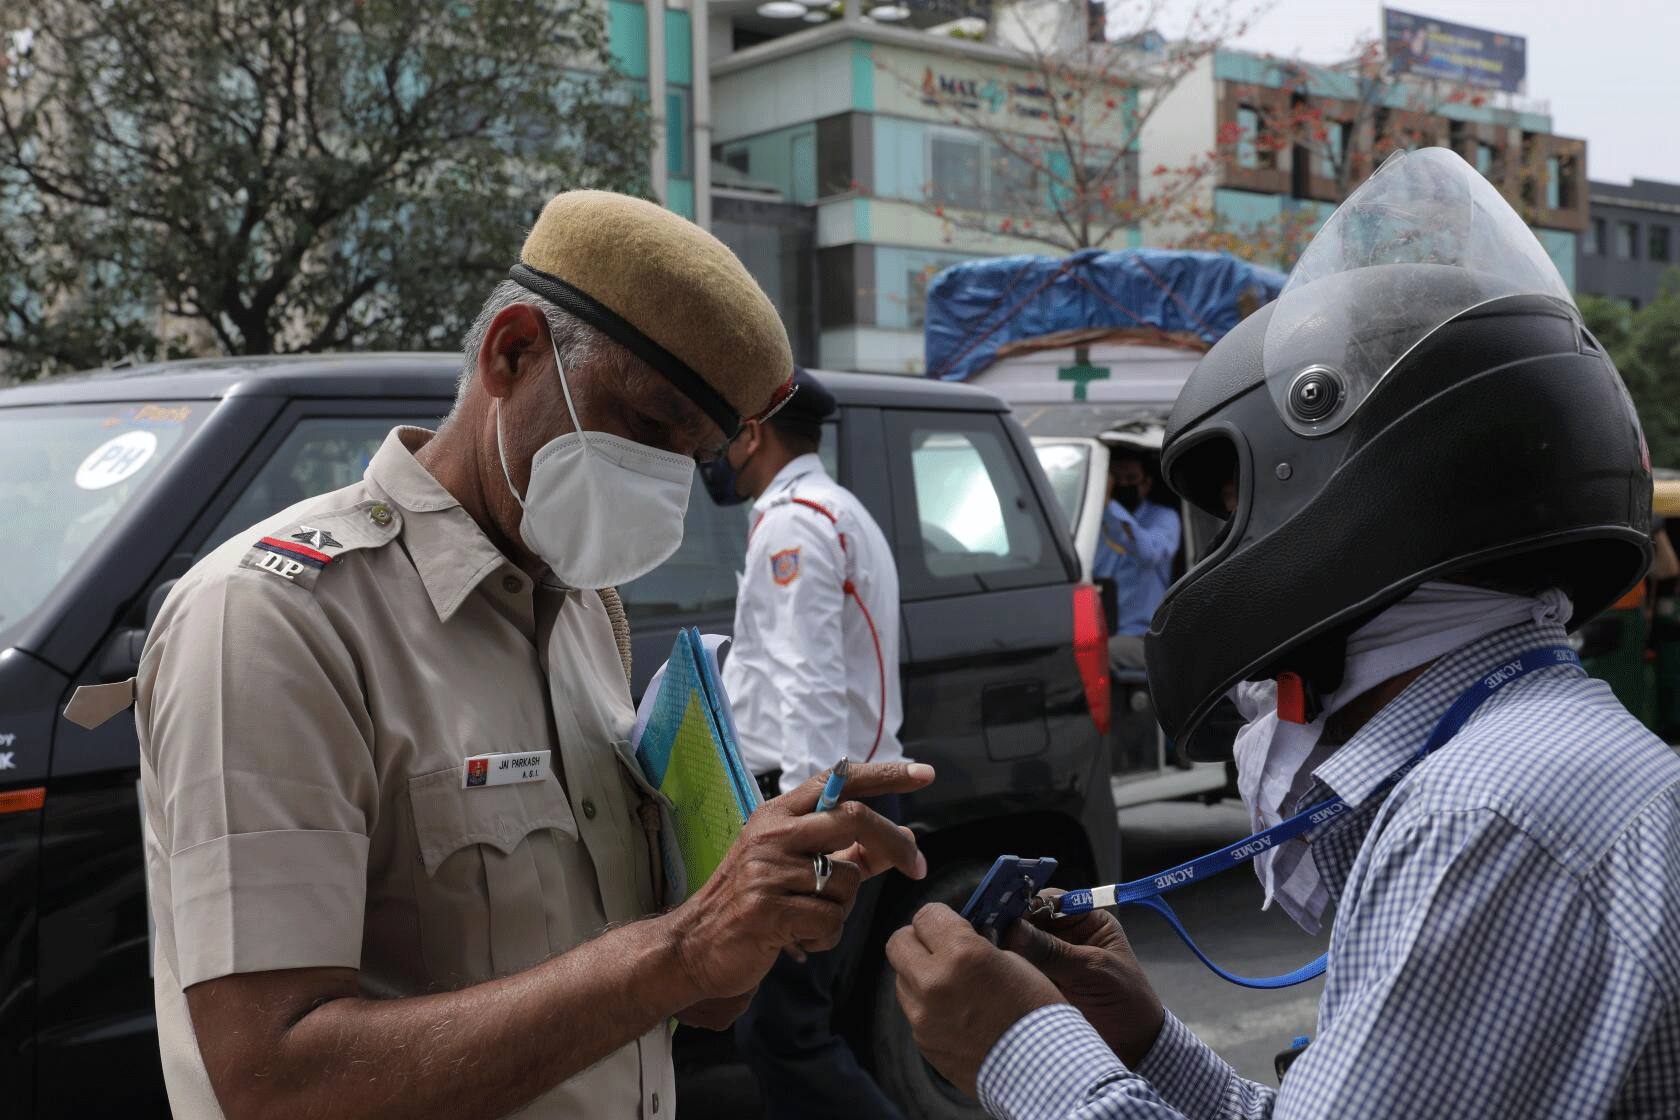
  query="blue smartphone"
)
[{"x": 1005, "y": 893}]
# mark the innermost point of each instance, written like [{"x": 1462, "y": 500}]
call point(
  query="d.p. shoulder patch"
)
[
  {"x": 299, "y": 552},
  {"x": 784, "y": 566}
]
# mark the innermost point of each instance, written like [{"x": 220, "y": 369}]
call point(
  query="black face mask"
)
[
  {"x": 1129, "y": 497},
  {"x": 720, "y": 478}
]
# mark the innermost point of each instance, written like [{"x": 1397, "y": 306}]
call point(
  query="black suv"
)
[{"x": 113, "y": 484}]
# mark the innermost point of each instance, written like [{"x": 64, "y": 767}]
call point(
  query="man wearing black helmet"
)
[{"x": 1437, "y": 472}]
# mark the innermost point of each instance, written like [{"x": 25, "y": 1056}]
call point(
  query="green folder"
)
[{"x": 685, "y": 744}]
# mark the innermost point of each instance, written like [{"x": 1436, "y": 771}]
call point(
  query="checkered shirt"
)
[{"x": 1507, "y": 931}]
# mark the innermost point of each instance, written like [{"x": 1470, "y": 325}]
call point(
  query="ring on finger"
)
[{"x": 824, "y": 868}]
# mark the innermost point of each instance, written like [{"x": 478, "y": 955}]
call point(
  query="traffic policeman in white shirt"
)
[{"x": 813, "y": 678}]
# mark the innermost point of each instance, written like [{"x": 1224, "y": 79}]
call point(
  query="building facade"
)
[
  {"x": 843, "y": 156},
  {"x": 1263, "y": 184},
  {"x": 852, "y": 158},
  {"x": 1632, "y": 240}
]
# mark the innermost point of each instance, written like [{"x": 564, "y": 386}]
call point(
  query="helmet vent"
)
[{"x": 1314, "y": 394}]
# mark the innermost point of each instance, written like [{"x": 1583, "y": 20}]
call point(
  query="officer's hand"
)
[
  {"x": 1090, "y": 961},
  {"x": 959, "y": 992},
  {"x": 763, "y": 895},
  {"x": 717, "y": 1014}
]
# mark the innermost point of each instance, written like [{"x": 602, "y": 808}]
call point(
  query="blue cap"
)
[{"x": 811, "y": 402}]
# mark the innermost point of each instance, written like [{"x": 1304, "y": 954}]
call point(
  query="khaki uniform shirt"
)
[{"x": 302, "y": 737}]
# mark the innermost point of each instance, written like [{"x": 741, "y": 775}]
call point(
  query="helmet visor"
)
[{"x": 1424, "y": 240}]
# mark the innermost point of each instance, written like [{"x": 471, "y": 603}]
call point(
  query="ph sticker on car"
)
[{"x": 118, "y": 458}]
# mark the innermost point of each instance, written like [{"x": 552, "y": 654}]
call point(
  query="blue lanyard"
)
[{"x": 1148, "y": 891}]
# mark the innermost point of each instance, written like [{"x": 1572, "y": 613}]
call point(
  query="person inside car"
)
[{"x": 1136, "y": 548}]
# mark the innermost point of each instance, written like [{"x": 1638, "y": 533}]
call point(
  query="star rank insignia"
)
[{"x": 315, "y": 538}]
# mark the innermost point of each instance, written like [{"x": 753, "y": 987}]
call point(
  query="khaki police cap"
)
[{"x": 667, "y": 291}]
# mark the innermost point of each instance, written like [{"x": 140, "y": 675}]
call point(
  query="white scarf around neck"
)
[{"x": 1276, "y": 760}]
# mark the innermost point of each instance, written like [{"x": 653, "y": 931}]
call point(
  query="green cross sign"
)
[{"x": 1082, "y": 374}]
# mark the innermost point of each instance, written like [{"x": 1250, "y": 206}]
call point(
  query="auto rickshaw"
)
[{"x": 1635, "y": 646}]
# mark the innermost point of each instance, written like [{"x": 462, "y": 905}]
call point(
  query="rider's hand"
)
[
  {"x": 763, "y": 896},
  {"x": 1090, "y": 961},
  {"x": 960, "y": 992}
]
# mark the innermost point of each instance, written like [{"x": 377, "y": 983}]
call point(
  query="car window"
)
[
  {"x": 67, "y": 474},
  {"x": 321, "y": 454},
  {"x": 975, "y": 522},
  {"x": 700, "y": 576},
  {"x": 1067, "y": 466}
]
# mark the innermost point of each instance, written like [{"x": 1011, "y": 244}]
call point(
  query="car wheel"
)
[{"x": 900, "y": 1068}]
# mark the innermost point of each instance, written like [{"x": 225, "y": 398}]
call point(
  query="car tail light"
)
[{"x": 1090, "y": 652}]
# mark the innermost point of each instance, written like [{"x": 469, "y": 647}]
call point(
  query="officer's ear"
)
[
  {"x": 515, "y": 331},
  {"x": 746, "y": 443}
]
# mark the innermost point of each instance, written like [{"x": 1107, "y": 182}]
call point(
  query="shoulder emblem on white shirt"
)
[{"x": 784, "y": 566}]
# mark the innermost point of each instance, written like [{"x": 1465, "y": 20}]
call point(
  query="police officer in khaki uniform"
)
[{"x": 398, "y": 854}]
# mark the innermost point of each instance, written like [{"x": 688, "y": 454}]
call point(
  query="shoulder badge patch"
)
[
  {"x": 299, "y": 553},
  {"x": 784, "y": 566},
  {"x": 286, "y": 558}
]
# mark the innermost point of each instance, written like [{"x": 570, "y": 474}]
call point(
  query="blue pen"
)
[{"x": 833, "y": 787}]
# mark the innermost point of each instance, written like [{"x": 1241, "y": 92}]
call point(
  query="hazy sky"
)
[{"x": 1609, "y": 68}]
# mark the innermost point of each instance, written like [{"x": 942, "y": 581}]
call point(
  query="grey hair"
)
[{"x": 579, "y": 343}]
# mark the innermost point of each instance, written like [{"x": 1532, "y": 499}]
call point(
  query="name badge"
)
[{"x": 503, "y": 769}]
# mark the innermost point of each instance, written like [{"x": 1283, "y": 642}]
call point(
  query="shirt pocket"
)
[{"x": 489, "y": 862}]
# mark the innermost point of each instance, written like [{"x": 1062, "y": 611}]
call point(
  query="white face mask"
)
[{"x": 600, "y": 510}]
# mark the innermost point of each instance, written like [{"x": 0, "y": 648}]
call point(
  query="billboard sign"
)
[{"x": 1434, "y": 48}]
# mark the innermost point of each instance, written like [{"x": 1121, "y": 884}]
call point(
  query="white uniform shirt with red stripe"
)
[{"x": 803, "y": 676}]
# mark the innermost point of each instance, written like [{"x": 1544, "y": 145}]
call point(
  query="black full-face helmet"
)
[{"x": 1422, "y": 401}]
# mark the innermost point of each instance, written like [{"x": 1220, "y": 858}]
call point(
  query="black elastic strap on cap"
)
[{"x": 590, "y": 310}]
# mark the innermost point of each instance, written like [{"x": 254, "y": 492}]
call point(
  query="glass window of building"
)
[
  {"x": 901, "y": 282},
  {"x": 677, "y": 132},
  {"x": 1595, "y": 238},
  {"x": 1248, "y": 137},
  {"x": 916, "y": 282},
  {"x": 1554, "y": 182},
  {"x": 1627, "y": 240},
  {"x": 955, "y": 169},
  {"x": 1335, "y": 148},
  {"x": 1485, "y": 159},
  {"x": 1014, "y": 180},
  {"x": 1657, "y": 243}
]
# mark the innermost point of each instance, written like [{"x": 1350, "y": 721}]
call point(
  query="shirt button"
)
[
  {"x": 510, "y": 584},
  {"x": 380, "y": 515},
  {"x": 656, "y": 1102},
  {"x": 589, "y": 808}
]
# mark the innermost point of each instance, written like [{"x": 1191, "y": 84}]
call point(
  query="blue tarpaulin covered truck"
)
[{"x": 1118, "y": 305}]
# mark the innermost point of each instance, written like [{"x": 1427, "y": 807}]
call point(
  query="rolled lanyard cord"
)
[{"x": 1148, "y": 891}]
